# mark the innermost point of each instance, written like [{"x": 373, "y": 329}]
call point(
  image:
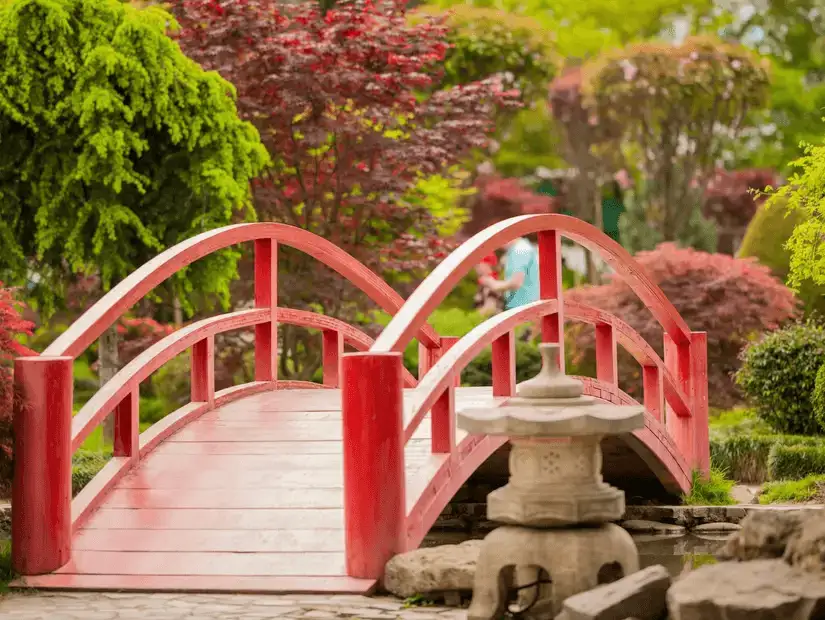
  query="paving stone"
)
[
  {"x": 641, "y": 526},
  {"x": 717, "y": 528}
]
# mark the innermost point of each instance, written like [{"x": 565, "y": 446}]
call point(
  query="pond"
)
[{"x": 676, "y": 553}]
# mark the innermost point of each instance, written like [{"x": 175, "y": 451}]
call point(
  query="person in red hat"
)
[{"x": 488, "y": 302}]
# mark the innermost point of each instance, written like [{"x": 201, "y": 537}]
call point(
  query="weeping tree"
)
[
  {"x": 676, "y": 109},
  {"x": 113, "y": 147}
]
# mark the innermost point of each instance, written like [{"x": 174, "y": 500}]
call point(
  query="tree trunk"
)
[
  {"x": 109, "y": 365},
  {"x": 178, "y": 311}
]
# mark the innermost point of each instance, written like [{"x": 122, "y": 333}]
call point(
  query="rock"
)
[
  {"x": 638, "y": 526},
  {"x": 5, "y": 520},
  {"x": 744, "y": 494},
  {"x": 436, "y": 569},
  {"x": 806, "y": 548},
  {"x": 761, "y": 589},
  {"x": 717, "y": 528},
  {"x": 640, "y": 595},
  {"x": 764, "y": 535}
]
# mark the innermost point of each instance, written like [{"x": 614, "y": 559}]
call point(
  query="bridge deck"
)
[{"x": 247, "y": 498}]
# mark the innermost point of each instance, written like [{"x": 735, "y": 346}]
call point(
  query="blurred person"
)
[
  {"x": 487, "y": 301},
  {"x": 520, "y": 285}
]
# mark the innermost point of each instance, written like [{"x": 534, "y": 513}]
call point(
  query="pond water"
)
[{"x": 676, "y": 553}]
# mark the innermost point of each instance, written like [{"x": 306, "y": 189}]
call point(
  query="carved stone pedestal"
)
[{"x": 575, "y": 560}]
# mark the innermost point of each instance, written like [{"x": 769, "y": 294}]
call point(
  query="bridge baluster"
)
[
  {"x": 41, "y": 524},
  {"x": 678, "y": 362},
  {"x": 372, "y": 403},
  {"x": 699, "y": 399},
  {"x": 551, "y": 287},
  {"x": 127, "y": 426},
  {"x": 504, "y": 365},
  {"x": 607, "y": 368},
  {"x": 202, "y": 372},
  {"x": 266, "y": 296},
  {"x": 333, "y": 349},
  {"x": 443, "y": 422},
  {"x": 654, "y": 393}
]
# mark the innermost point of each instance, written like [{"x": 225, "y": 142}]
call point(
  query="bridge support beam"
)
[
  {"x": 374, "y": 480},
  {"x": 699, "y": 397},
  {"x": 41, "y": 528}
]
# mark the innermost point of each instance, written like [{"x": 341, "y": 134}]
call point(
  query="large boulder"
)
[
  {"x": 446, "y": 568},
  {"x": 806, "y": 548},
  {"x": 765, "y": 534},
  {"x": 759, "y": 589}
]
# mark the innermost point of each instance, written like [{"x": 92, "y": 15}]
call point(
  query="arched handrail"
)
[
  {"x": 352, "y": 335},
  {"x": 443, "y": 278},
  {"x": 128, "y": 292},
  {"x": 443, "y": 373}
]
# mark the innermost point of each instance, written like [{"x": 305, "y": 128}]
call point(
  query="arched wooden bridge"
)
[{"x": 296, "y": 487}]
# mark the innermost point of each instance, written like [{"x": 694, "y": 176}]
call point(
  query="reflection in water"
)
[{"x": 676, "y": 553}]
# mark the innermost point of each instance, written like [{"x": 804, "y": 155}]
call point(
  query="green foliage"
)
[
  {"x": 531, "y": 141},
  {"x": 480, "y": 371},
  {"x": 766, "y": 240},
  {"x": 792, "y": 491},
  {"x": 113, "y": 145},
  {"x": 85, "y": 466},
  {"x": 818, "y": 398},
  {"x": 486, "y": 42},
  {"x": 442, "y": 196},
  {"x": 804, "y": 193},
  {"x": 6, "y": 572},
  {"x": 714, "y": 491},
  {"x": 795, "y": 462},
  {"x": 778, "y": 375}
]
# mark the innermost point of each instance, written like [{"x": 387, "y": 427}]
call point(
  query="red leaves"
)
[
  {"x": 500, "y": 198},
  {"x": 731, "y": 299}
]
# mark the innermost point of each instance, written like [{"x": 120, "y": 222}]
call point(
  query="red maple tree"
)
[
  {"x": 349, "y": 105},
  {"x": 11, "y": 326},
  {"x": 498, "y": 198},
  {"x": 731, "y": 299}
]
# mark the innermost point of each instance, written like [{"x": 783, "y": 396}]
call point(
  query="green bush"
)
[
  {"x": 818, "y": 398},
  {"x": 746, "y": 457},
  {"x": 480, "y": 371},
  {"x": 778, "y": 375},
  {"x": 85, "y": 466},
  {"x": 795, "y": 462}
]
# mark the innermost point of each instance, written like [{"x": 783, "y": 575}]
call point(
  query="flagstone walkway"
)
[{"x": 113, "y": 606}]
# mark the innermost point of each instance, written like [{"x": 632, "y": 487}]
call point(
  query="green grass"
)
[
  {"x": 791, "y": 491},
  {"x": 6, "y": 574},
  {"x": 714, "y": 491},
  {"x": 724, "y": 423},
  {"x": 94, "y": 442}
]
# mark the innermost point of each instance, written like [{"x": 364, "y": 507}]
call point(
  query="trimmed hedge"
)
[
  {"x": 796, "y": 462},
  {"x": 85, "y": 466},
  {"x": 818, "y": 397},
  {"x": 747, "y": 458}
]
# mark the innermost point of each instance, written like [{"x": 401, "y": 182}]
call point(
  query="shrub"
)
[
  {"x": 818, "y": 397},
  {"x": 790, "y": 491},
  {"x": 731, "y": 299},
  {"x": 85, "y": 466},
  {"x": 480, "y": 371},
  {"x": 766, "y": 239},
  {"x": 743, "y": 457},
  {"x": 795, "y": 462},
  {"x": 778, "y": 375}
]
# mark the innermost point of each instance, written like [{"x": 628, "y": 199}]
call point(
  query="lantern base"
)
[{"x": 575, "y": 560}]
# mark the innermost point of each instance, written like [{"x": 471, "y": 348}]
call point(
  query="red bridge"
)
[{"x": 277, "y": 486}]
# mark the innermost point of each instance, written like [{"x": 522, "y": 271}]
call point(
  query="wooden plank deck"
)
[{"x": 247, "y": 498}]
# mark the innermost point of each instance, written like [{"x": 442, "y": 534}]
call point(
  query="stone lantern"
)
[{"x": 556, "y": 509}]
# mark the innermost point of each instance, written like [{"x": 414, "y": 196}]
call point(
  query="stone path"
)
[{"x": 111, "y": 606}]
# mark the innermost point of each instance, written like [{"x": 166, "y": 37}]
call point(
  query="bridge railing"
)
[
  {"x": 372, "y": 400},
  {"x": 46, "y": 433}
]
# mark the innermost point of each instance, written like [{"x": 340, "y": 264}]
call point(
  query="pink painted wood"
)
[
  {"x": 266, "y": 296},
  {"x": 699, "y": 395},
  {"x": 677, "y": 361},
  {"x": 202, "y": 380},
  {"x": 127, "y": 426},
  {"x": 607, "y": 365},
  {"x": 443, "y": 414},
  {"x": 333, "y": 350},
  {"x": 551, "y": 287},
  {"x": 654, "y": 392}
]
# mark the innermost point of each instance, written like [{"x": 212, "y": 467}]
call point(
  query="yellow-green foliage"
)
[
  {"x": 792, "y": 491},
  {"x": 113, "y": 144},
  {"x": 805, "y": 192},
  {"x": 766, "y": 239},
  {"x": 443, "y": 196}
]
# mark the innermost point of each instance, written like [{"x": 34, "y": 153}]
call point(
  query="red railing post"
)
[
  {"x": 607, "y": 368},
  {"x": 504, "y": 365},
  {"x": 374, "y": 477},
  {"x": 127, "y": 426},
  {"x": 551, "y": 287},
  {"x": 654, "y": 393},
  {"x": 266, "y": 296},
  {"x": 678, "y": 362},
  {"x": 442, "y": 417},
  {"x": 41, "y": 525},
  {"x": 202, "y": 371},
  {"x": 699, "y": 400},
  {"x": 333, "y": 350}
]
